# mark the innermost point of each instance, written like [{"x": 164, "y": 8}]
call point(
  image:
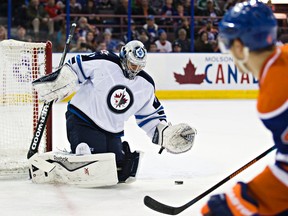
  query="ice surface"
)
[{"x": 229, "y": 135}]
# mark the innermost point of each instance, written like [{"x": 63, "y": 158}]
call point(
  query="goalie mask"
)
[{"x": 133, "y": 58}]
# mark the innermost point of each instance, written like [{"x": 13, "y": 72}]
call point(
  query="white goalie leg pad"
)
[
  {"x": 57, "y": 85},
  {"x": 96, "y": 170}
]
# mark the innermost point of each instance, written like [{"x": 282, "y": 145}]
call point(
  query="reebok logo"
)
[{"x": 60, "y": 159}]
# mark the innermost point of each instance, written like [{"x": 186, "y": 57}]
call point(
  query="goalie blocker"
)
[{"x": 57, "y": 85}]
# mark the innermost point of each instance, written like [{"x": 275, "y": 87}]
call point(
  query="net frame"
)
[{"x": 21, "y": 63}]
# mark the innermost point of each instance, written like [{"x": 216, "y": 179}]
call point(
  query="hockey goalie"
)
[{"x": 109, "y": 90}]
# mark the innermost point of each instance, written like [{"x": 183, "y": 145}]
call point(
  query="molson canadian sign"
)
[{"x": 199, "y": 75}]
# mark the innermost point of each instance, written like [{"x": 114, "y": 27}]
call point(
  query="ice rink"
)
[{"x": 229, "y": 135}]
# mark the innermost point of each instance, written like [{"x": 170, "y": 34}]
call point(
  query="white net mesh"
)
[{"x": 20, "y": 63}]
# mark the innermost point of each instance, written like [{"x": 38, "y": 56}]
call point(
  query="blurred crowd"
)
[{"x": 162, "y": 25}]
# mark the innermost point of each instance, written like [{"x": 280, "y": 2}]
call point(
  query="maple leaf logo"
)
[
  {"x": 189, "y": 76},
  {"x": 120, "y": 100}
]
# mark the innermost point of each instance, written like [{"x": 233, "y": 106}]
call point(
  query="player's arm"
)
[
  {"x": 176, "y": 139},
  {"x": 64, "y": 81}
]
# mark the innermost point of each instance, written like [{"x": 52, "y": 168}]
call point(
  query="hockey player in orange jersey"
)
[{"x": 249, "y": 32}]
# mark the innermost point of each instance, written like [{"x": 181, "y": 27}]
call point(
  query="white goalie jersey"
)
[{"x": 109, "y": 98}]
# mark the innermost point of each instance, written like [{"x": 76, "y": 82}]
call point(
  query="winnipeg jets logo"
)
[
  {"x": 120, "y": 99},
  {"x": 139, "y": 52}
]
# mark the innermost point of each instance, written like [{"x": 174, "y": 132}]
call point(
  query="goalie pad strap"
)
[{"x": 40, "y": 163}]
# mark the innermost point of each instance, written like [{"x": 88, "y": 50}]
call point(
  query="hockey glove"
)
[
  {"x": 236, "y": 202},
  {"x": 175, "y": 139},
  {"x": 57, "y": 85}
]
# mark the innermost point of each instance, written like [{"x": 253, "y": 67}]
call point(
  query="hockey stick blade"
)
[
  {"x": 170, "y": 210},
  {"x": 160, "y": 207}
]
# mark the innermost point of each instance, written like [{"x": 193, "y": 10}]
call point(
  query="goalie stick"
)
[
  {"x": 47, "y": 105},
  {"x": 170, "y": 210}
]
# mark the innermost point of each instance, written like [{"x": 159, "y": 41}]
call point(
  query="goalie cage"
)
[{"x": 21, "y": 63}]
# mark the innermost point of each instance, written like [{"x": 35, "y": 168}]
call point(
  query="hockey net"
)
[{"x": 20, "y": 64}]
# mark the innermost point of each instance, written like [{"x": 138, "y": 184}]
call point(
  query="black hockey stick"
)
[
  {"x": 170, "y": 210},
  {"x": 47, "y": 105}
]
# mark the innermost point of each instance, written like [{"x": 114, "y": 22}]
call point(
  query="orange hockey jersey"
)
[{"x": 270, "y": 188}]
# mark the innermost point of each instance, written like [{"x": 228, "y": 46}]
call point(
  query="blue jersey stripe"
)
[
  {"x": 150, "y": 119},
  {"x": 144, "y": 116},
  {"x": 78, "y": 59}
]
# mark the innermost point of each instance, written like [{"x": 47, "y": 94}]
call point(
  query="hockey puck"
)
[{"x": 178, "y": 182}]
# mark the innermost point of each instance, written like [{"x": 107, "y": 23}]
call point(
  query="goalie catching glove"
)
[
  {"x": 57, "y": 85},
  {"x": 174, "y": 138}
]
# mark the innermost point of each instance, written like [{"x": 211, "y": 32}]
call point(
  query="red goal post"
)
[{"x": 21, "y": 63}]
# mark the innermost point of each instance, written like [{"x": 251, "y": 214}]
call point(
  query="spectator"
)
[
  {"x": 187, "y": 7},
  {"x": 185, "y": 24},
  {"x": 91, "y": 41},
  {"x": 90, "y": 9},
  {"x": 3, "y": 33},
  {"x": 84, "y": 27},
  {"x": 202, "y": 5},
  {"x": 151, "y": 27},
  {"x": 167, "y": 11},
  {"x": 212, "y": 11},
  {"x": 183, "y": 40},
  {"x": 157, "y": 5},
  {"x": 144, "y": 38},
  {"x": 81, "y": 46},
  {"x": 202, "y": 44},
  {"x": 21, "y": 34},
  {"x": 134, "y": 33},
  {"x": 270, "y": 4},
  {"x": 39, "y": 18},
  {"x": 110, "y": 43},
  {"x": 75, "y": 8},
  {"x": 180, "y": 12},
  {"x": 102, "y": 46},
  {"x": 54, "y": 10},
  {"x": 3, "y": 8},
  {"x": 163, "y": 45},
  {"x": 228, "y": 5},
  {"x": 122, "y": 9},
  {"x": 105, "y": 5},
  {"x": 145, "y": 9},
  {"x": 119, "y": 46},
  {"x": 60, "y": 39},
  {"x": 212, "y": 32},
  {"x": 21, "y": 18},
  {"x": 176, "y": 47},
  {"x": 153, "y": 48}
]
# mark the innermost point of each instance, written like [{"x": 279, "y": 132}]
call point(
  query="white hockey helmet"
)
[{"x": 133, "y": 58}]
